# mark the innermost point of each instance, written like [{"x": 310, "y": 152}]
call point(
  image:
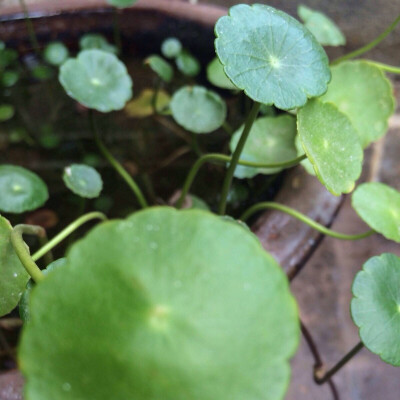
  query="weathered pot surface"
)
[{"x": 288, "y": 240}]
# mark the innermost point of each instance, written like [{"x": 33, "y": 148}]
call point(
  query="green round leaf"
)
[
  {"x": 9, "y": 78},
  {"x": 305, "y": 163},
  {"x": 197, "y": 109},
  {"x": 12, "y": 272},
  {"x": 216, "y": 75},
  {"x": 171, "y": 47},
  {"x": 142, "y": 106},
  {"x": 155, "y": 297},
  {"x": 365, "y": 95},
  {"x": 24, "y": 308},
  {"x": 42, "y": 72},
  {"x": 21, "y": 190},
  {"x": 379, "y": 206},
  {"x": 375, "y": 307},
  {"x": 160, "y": 67},
  {"x": 97, "y": 79},
  {"x": 7, "y": 57},
  {"x": 121, "y": 3},
  {"x": 271, "y": 140},
  {"x": 83, "y": 180},
  {"x": 7, "y": 111},
  {"x": 187, "y": 64},
  {"x": 92, "y": 41},
  {"x": 322, "y": 27},
  {"x": 55, "y": 53},
  {"x": 270, "y": 55},
  {"x": 331, "y": 144}
]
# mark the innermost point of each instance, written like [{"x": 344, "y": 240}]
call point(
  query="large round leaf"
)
[
  {"x": 13, "y": 275},
  {"x": 197, "y": 109},
  {"x": 322, "y": 27},
  {"x": 83, "y": 180},
  {"x": 379, "y": 206},
  {"x": 375, "y": 307},
  {"x": 270, "y": 55},
  {"x": 365, "y": 95},
  {"x": 331, "y": 144},
  {"x": 20, "y": 190},
  {"x": 97, "y": 79},
  {"x": 170, "y": 305},
  {"x": 271, "y": 140}
]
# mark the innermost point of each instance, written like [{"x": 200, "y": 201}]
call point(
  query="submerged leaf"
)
[
  {"x": 172, "y": 285},
  {"x": 83, "y": 180},
  {"x": 270, "y": 55},
  {"x": 375, "y": 307}
]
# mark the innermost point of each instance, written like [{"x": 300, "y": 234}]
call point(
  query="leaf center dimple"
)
[
  {"x": 17, "y": 188},
  {"x": 96, "y": 82},
  {"x": 159, "y": 317},
  {"x": 274, "y": 62}
]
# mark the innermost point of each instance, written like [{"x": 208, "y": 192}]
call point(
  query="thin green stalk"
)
[
  {"x": 308, "y": 221},
  {"x": 21, "y": 248},
  {"x": 320, "y": 377},
  {"x": 236, "y": 155},
  {"x": 117, "y": 32},
  {"x": 30, "y": 28},
  {"x": 370, "y": 45},
  {"x": 117, "y": 166},
  {"x": 227, "y": 128},
  {"x": 222, "y": 158},
  {"x": 66, "y": 232},
  {"x": 385, "y": 67}
]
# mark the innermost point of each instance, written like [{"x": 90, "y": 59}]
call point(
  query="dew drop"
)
[
  {"x": 15, "y": 274},
  {"x": 66, "y": 387}
]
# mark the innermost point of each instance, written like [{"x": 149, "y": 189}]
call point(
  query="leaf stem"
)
[
  {"x": 154, "y": 98},
  {"x": 21, "y": 248},
  {"x": 236, "y": 155},
  {"x": 30, "y": 28},
  {"x": 308, "y": 221},
  {"x": 370, "y": 45},
  {"x": 66, "y": 232},
  {"x": 222, "y": 158},
  {"x": 117, "y": 166},
  {"x": 321, "y": 377},
  {"x": 385, "y": 67}
]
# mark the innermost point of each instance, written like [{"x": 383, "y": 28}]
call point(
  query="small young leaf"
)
[
  {"x": 83, "y": 180},
  {"x": 9, "y": 78},
  {"x": 375, "y": 307},
  {"x": 165, "y": 288},
  {"x": 322, "y": 27},
  {"x": 271, "y": 140},
  {"x": 56, "y": 53},
  {"x": 331, "y": 144},
  {"x": 187, "y": 64},
  {"x": 121, "y": 3},
  {"x": 21, "y": 190},
  {"x": 97, "y": 79},
  {"x": 7, "y": 57},
  {"x": 216, "y": 75},
  {"x": 42, "y": 72},
  {"x": 13, "y": 274},
  {"x": 197, "y": 109},
  {"x": 161, "y": 67},
  {"x": 171, "y": 47},
  {"x": 142, "y": 106},
  {"x": 270, "y": 55},
  {"x": 362, "y": 92},
  {"x": 7, "y": 111},
  {"x": 379, "y": 206},
  {"x": 96, "y": 41}
]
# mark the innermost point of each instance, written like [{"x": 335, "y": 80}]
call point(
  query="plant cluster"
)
[{"x": 177, "y": 304}]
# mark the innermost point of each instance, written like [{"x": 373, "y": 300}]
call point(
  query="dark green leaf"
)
[
  {"x": 6, "y": 112},
  {"x": 9, "y": 78}
]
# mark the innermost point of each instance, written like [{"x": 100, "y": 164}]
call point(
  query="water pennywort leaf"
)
[
  {"x": 161, "y": 67},
  {"x": 171, "y": 47},
  {"x": 142, "y": 106},
  {"x": 55, "y": 53},
  {"x": 375, "y": 307},
  {"x": 216, "y": 75},
  {"x": 197, "y": 109},
  {"x": 379, "y": 206},
  {"x": 187, "y": 64},
  {"x": 21, "y": 190},
  {"x": 169, "y": 280},
  {"x": 331, "y": 144},
  {"x": 83, "y": 180},
  {"x": 271, "y": 56},
  {"x": 97, "y": 41}
]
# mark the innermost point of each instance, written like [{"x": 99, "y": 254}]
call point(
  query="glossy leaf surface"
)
[
  {"x": 197, "y": 109},
  {"x": 271, "y": 56},
  {"x": 365, "y": 95},
  {"x": 12, "y": 272},
  {"x": 379, "y": 206},
  {"x": 331, "y": 145},
  {"x": 271, "y": 140},
  {"x": 21, "y": 190},
  {"x": 170, "y": 288},
  {"x": 375, "y": 307},
  {"x": 97, "y": 79},
  {"x": 83, "y": 180}
]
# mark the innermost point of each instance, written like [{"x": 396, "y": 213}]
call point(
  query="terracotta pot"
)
[{"x": 144, "y": 26}]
